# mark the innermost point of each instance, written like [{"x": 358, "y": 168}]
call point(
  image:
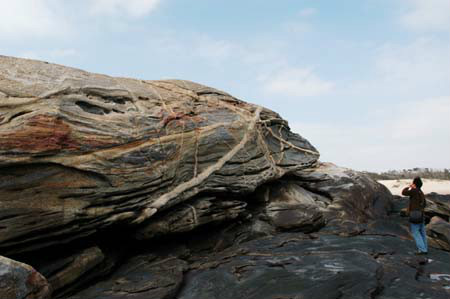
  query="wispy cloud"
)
[
  {"x": 419, "y": 61},
  {"x": 297, "y": 27},
  {"x": 29, "y": 55},
  {"x": 401, "y": 136},
  {"x": 423, "y": 120},
  {"x": 427, "y": 15},
  {"x": 131, "y": 8},
  {"x": 307, "y": 12},
  {"x": 63, "y": 53},
  {"x": 297, "y": 82},
  {"x": 21, "y": 19},
  {"x": 406, "y": 69}
]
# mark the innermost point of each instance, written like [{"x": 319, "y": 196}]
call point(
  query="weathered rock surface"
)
[
  {"x": 290, "y": 207},
  {"x": 80, "y": 152},
  {"x": 140, "y": 278},
  {"x": 296, "y": 266},
  {"x": 338, "y": 197},
  {"x": 21, "y": 281},
  {"x": 70, "y": 269},
  {"x": 187, "y": 217},
  {"x": 351, "y": 195}
]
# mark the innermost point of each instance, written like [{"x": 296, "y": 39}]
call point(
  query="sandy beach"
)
[{"x": 429, "y": 185}]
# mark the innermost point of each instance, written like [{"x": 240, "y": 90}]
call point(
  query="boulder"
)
[
  {"x": 437, "y": 205},
  {"x": 81, "y": 152},
  {"x": 352, "y": 195},
  {"x": 439, "y": 230},
  {"x": 289, "y": 207},
  {"x": 325, "y": 194},
  {"x": 21, "y": 281}
]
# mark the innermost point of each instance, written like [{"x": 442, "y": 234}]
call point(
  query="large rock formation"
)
[
  {"x": 124, "y": 188},
  {"x": 80, "y": 152}
]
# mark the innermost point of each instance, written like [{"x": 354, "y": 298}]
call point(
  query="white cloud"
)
[
  {"x": 416, "y": 135},
  {"x": 427, "y": 15},
  {"x": 38, "y": 19},
  {"x": 297, "y": 82},
  {"x": 427, "y": 119},
  {"x": 132, "y": 8},
  {"x": 214, "y": 50},
  {"x": 416, "y": 62},
  {"x": 406, "y": 71},
  {"x": 307, "y": 12},
  {"x": 21, "y": 19}
]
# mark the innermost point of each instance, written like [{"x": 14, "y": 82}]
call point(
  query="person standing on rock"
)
[{"x": 416, "y": 207}]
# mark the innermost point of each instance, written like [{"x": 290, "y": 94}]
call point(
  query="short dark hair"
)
[{"x": 418, "y": 182}]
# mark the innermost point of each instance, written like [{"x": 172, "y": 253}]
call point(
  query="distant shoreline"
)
[{"x": 429, "y": 185}]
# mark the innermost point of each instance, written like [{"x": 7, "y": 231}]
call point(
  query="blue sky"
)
[{"x": 366, "y": 81}]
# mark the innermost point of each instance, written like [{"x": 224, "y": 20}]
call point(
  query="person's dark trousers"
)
[{"x": 420, "y": 236}]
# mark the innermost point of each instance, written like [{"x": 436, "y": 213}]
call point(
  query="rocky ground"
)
[{"x": 123, "y": 188}]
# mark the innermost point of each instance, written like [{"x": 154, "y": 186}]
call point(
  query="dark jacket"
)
[{"x": 417, "y": 200}]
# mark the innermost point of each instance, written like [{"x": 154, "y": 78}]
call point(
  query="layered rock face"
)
[
  {"x": 80, "y": 152},
  {"x": 125, "y": 188}
]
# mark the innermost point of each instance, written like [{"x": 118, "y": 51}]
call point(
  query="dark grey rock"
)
[
  {"x": 439, "y": 230},
  {"x": 296, "y": 266},
  {"x": 141, "y": 277}
]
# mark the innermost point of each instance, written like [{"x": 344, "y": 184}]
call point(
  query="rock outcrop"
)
[{"x": 125, "y": 188}]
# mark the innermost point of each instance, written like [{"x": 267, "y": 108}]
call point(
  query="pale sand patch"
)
[{"x": 429, "y": 185}]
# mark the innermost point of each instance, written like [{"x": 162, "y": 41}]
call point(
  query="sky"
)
[{"x": 365, "y": 81}]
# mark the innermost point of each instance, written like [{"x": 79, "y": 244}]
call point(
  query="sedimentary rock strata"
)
[{"x": 80, "y": 152}]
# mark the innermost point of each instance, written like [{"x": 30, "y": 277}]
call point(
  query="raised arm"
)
[{"x": 406, "y": 191}]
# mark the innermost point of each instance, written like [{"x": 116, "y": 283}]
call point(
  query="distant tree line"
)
[{"x": 426, "y": 173}]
